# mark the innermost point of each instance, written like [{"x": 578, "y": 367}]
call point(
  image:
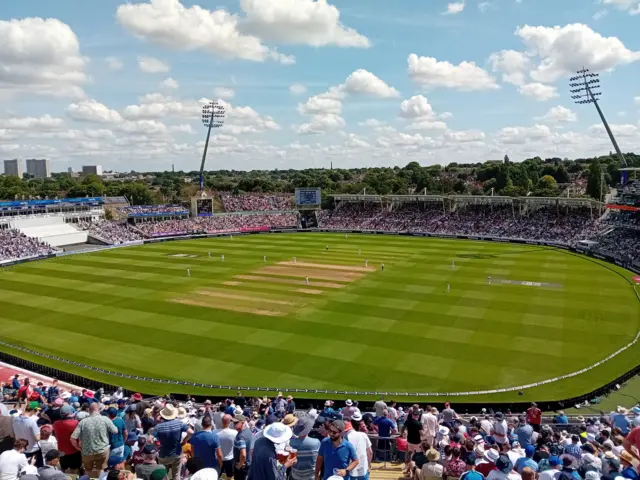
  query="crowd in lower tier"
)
[{"x": 15, "y": 244}]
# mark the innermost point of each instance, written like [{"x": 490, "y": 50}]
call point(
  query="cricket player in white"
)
[
  {"x": 209, "y": 254},
  {"x": 326, "y": 249},
  {"x": 264, "y": 258},
  {"x": 294, "y": 260},
  {"x": 345, "y": 236},
  {"x": 359, "y": 251},
  {"x": 382, "y": 267},
  {"x": 489, "y": 280},
  {"x": 366, "y": 262},
  {"x": 306, "y": 280},
  {"x": 188, "y": 272},
  {"x": 448, "y": 287},
  {"x": 453, "y": 264},
  {"x": 222, "y": 257}
]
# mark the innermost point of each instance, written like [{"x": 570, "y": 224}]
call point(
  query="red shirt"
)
[
  {"x": 63, "y": 430},
  {"x": 634, "y": 437},
  {"x": 485, "y": 468},
  {"x": 24, "y": 392},
  {"x": 534, "y": 416}
]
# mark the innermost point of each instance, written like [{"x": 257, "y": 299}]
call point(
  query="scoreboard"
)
[{"x": 308, "y": 197}]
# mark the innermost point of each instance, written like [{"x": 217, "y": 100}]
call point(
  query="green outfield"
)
[{"x": 244, "y": 321}]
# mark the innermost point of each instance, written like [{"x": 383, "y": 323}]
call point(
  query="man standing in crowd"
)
[
  {"x": 169, "y": 434},
  {"x": 448, "y": 416},
  {"x": 430, "y": 423},
  {"x": 336, "y": 455},
  {"x": 413, "y": 426},
  {"x": 206, "y": 445},
  {"x": 264, "y": 464},
  {"x": 362, "y": 444},
  {"x": 26, "y": 426},
  {"x": 117, "y": 439},
  {"x": 471, "y": 473},
  {"x": 72, "y": 459},
  {"x": 242, "y": 448},
  {"x": 50, "y": 469},
  {"x": 380, "y": 407},
  {"x": 307, "y": 448},
  {"x": 227, "y": 437},
  {"x": 524, "y": 432},
  {"x": 534, "y": 417},
  {"x": 92, "y": 437},
  {"x": 500, "y": 428}
]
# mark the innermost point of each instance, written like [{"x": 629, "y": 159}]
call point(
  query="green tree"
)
[{"x": 594, "y": 179}]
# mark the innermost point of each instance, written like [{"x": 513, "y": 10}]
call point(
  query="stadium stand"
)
[
  {"x": 16, "y": 245},
  {"x": 55, "y": 233},
  {"x": 111, "y": 233},
  {"x": 383, "y": 442},
  {"x": 256, "y": 202}
]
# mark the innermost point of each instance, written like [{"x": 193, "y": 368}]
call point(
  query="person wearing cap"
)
[
  {"x": 336, "y": 453},
  {"x": 50, "y": 470},
  {"x": 117, "y": 439},
  {"x": 72, "y": 459},
  {"x": 129, "y": 445},
  {"x": 470, "y": 464},
  {"x": 242, "y": 448},
  {"x": 307, "y": 448},
  {"x": 362, "y": 444},
  {"x": 115, "y": 463},
  {"x": 527, "y": 460},
  {"x": 92, "y": 437},
  {"x": 26, "y": 426},
  {"x": 560, "y": 418},
  {"x": 169, "y": 434},
  {"x": 348, "y": 410},
  {"x": 206, "y": 445},
  {"x": 13, "y": 461},
  {"x": 503, "y": 470},
  {"x": 149, "y": 463},
  {"x": 555, "y": 465},
  {"x": 265, "y": 464}
]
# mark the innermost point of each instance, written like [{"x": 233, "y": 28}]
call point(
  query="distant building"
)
[
  {"x": 39, "y": 168},
  {"x": 92, "y": 170},
  {"x": 13, "y": 168},
  {"x": 70, "y": 170}
]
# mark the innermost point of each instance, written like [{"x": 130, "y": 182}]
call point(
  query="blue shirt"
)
[
  {"x": 128, "y": 453},
  {"x": 524, "y": 433},
  {"x": 244, "y": 440},
  {"x": 205, "y": 444},
  {"x": 524, "y": 462},
  {"x": 629, "y": 472},
  {"x": 307, "y": 457},
  {"x": 471, "y": 475},
  {"x": 15, "y": 384},
  {"x": 117, "y": 439},
  {"x": 574, "y": 449},
  {"x": 170, "y": 436},
  {"x": 561, "y": 419},
  {"x": 339, "y": 457},
  {"x": 385, "y": 425},
  {"x": 622, "y": 422}
]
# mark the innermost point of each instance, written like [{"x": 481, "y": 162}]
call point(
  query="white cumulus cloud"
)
[
  {"x": 152, "y": 65},
  {"x": 467, "y": 76},
  {"x": 170, "y": 83},
  {"x": 454, "y": 8},
  {"x": 538, "y": 91},
  {"x": 560, "y": 114},
  {"x": 297, "y": 89},
  {"x": 93, "y": 111}
]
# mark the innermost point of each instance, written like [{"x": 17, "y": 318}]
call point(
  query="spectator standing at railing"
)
[
  {"x": 430, "y": 423},
  {"x": 500, "y": 429},
  {"x": 414, "y": 429},
  {"x": 534, "y": 417},
  {"x": 336, "y": 454},
  {"x": 307, "y": 448},
  {"x": 448, "y": 416},
  {"x": 91, "y": 437},
  {"x": 380, "y": 407},
  {"x": 524, "y": 432}
]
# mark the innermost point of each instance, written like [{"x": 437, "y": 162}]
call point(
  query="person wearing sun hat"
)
[
  {"x": 432, "y": 469},
  {"x": 307, "y": 448},
  {"x": 627, "y": 468},
  {"x": 504, "y": 470},
  {"x": 488, "y": 462},
  {"x": 169, "y": 434},
  {"x": 265, "y": 464},
  {"x": 290, "y": 420}
]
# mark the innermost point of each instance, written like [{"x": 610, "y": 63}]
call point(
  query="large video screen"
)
[
  {"x": 204, "y": 207},
  {"x": 308, "y": 196}
]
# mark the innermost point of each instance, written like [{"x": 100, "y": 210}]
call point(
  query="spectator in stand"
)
[
  {"x": 13, "y": 461},
  {"x": 632, "y": 443},
  {"x": 413, "y": 427},
  {"x": 256, "y": 202},
  {"x": 149, "y": 464},
  {"x": 242, "y": 448},
  {"x": 206, "y": 445},
  {"x": 169, "y": 434},
  {"x": 307, "y": 448},
  {"x": 92, "y": 437},
  {"x": 336, "y": 454},
  {"x": 524, "y": 432},
  {"x": 560, "y": 418},
  {"x": 119, "y": 438},
  {"x": 25, "y": 426},
  {"x": 448, "y": 416},
  {"x": 15, "y": 244},
  {"x": 227, "y": 436},
  {"x": 47, "y": 440},
  {"x": 430, "y": 422},
  {"x": 63, "y": 428},
  {"x": 50, "y": 469},
  {"x": 534, "y": 417},
  {"x": 432, "y": 469},
  {"x": 265, "y": 464},
  {"x": 504, "y": 470},
  {"x": 362, "y": 445},
  {"x": 455, "y": 466},
  {"x": 527, "y": 460}
]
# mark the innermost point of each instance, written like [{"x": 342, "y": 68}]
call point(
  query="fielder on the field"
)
[
  {"x": 326, "y": 249},
  {"x": 448, "y": 287},
  {"x": 264, "y": 259},
  {"x": 453, "y": 264},
  {"x": 382, "y": 267},
  {"x": 222, "y": 257},
  {"x": 489, "y": 280},
  {"x": 306, "y": 280},
  {"x": 209, "y": 254},
  {"x": 345, "y": 236},
  {"x": 188, "y": 272},
  {"x": 359, "y": 251},
  {"x": 366, "y": 262}
]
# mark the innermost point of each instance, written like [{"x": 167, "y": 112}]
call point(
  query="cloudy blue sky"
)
[{"x": 308, "y": 82}]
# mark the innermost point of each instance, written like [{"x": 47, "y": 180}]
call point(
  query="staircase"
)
[{"x": 392, "y": 472}]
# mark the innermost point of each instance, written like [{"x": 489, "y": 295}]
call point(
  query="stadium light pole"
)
[
  {"x": 584, "y": 88},
  {"x": 212, "y": 117}
]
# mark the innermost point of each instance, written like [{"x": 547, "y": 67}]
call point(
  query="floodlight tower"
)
[
  {"x": 584, "y": 89},
  {"x": 212, "y": 117}
]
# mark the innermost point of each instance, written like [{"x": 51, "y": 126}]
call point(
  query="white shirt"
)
[
  {"x": 431, "y": 470},
  {"x": 486, "y": 426},
  {"x": 361, "y": 443},
  {"x": 11, "y": 464},
  {"x": 501, "y": 430},
  {"x": 497, "y": 475},
  {"x": 50, "y": 443},
  {"x": 27, "y": 428},
  {"x": 430, "y": 422},
  {"x": 217, "y": 419},
  {"x": 379, "y": 406},
  {"x": 227, "y": 436},
  {"x": 552, "y": 474}
]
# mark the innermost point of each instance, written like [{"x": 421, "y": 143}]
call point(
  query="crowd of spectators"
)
[
  {"x": 543, "y": 224},
  {"x": 15, "y": 244},
  {"x": 112, "y": 233},
  {"x": 220, "y": 223},
  {"x": 629, "y": 194},
  {"x": 256, "y": 202},
  {"x": 134, "y": 210},
  {"x": 620, "y": 243},
  {"x": 52, "y": 431}
]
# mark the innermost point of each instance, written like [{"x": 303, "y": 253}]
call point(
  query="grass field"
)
[{"x": 245, "y": 321}]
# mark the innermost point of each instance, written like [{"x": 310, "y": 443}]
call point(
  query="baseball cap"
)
[
  {"x": 52, "y": 455},
  {"x": 149, "y": 449},
  {"x": 529, "y": 450},
  {"x": 554, "y": 461},
  {"x": 112, "y": 411},
  {"x": 33, "y": 406},
  {"x": 115, "y": 460},
  {"x": 471, "y": 459}
]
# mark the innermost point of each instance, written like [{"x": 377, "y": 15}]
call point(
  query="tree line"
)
[{"x": 534, "y": 176}]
